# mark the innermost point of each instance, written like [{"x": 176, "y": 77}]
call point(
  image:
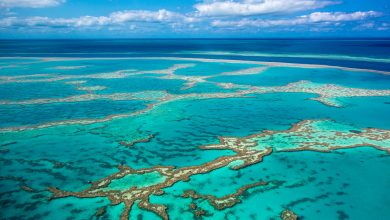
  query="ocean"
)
[{"x": 195, "y": 129}]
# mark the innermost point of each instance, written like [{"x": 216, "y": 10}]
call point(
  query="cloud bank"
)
[
  {"x": 316, "y": 17},
  {"x": 29, "y": 3},
  {"x": 208, "y": 16},
  {"x": 116, "y": 18},
  {"x": 258, "y": 7}
]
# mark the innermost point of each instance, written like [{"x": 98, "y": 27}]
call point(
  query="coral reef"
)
[
  {"x": 288, "y": 215},
  {"x": 132, "y": 143},
  {"x": 225, "y": 201},
  {"x": 320, "y": 135},
  {"x": 171, "y": 174}
]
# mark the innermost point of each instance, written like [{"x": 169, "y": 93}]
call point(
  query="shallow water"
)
[{"x": 82, "y": 142}]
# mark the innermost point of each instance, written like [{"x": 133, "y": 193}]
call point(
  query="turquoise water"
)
[
  {"x": 17, "y": 91},
  {"x": 211, "y": 68},
  {"x": 278, "y": 76},
  {"x": 137, "y": 84},
  {"x": 41, "y": 113},
  {"x": 53, "y": 134},
  {"x": 75, "y": 67},
  {"x": 318, "y": 185}
]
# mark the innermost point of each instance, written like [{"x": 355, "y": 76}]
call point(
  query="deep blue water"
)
[{"x": 371, "y": 48}]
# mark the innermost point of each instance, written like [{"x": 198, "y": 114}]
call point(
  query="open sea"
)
[{"x": 195, "y": 129}]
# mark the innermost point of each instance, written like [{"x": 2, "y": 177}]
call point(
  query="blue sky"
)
[{"x": 193, "y": 18}]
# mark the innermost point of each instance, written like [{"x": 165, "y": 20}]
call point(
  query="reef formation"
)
[
  {"x": 140, "y": 139},
  {"x": 313, "y": 135}
]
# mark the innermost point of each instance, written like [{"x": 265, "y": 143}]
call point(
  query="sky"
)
[{"x": 193, "y": 18}]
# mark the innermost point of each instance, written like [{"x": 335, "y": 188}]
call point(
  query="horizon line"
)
[{"x": 205, "y": 38}]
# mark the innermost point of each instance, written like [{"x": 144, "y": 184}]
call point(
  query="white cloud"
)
[
  {"x": 316, "y": 17},
  {"x": 29, "y": 3},
  {"x": 161, "y": 15},
  {"x": 257, "y": 7},
  {"x": 164, "y": 20},
  {"x": 340, "y": 16},
  {"x": 114, "y": 19}
]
